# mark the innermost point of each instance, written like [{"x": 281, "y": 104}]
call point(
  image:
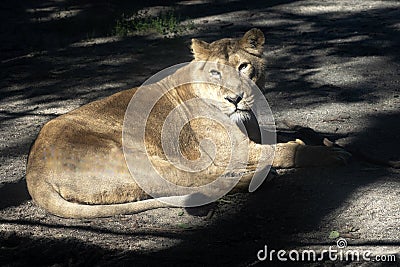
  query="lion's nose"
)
[{"x": 234, "y": 99}]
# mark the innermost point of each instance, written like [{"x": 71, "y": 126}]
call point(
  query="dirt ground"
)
[{"x": 332, "y": 65}]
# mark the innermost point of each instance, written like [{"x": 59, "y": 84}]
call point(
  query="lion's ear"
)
[
  {"x": 200, "y": 49},
  {"x": 253, "y": 41}
]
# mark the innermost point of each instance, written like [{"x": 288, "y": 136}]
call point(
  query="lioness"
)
[{"x": 76, "y": 167}]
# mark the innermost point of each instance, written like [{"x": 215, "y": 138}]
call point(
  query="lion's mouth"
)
[{"x": 240, "y": 115}]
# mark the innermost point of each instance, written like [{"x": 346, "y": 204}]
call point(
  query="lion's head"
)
[{"x": 232, "y": 59}]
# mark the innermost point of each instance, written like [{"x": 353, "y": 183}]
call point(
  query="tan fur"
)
[{"x": 76, "y": 167}]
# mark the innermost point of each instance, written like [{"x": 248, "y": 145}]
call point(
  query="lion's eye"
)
[
  {"x": 215, "y": 74},
  {"x": 243, "y": 66}
]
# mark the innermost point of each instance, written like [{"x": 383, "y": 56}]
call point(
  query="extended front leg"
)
[{"x": 297, "y": 154}]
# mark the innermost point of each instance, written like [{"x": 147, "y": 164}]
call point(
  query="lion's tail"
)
[{"x": 54, "y": 203}]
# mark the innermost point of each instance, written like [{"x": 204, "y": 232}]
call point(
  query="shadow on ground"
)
[{"x": 13, "y": 194}]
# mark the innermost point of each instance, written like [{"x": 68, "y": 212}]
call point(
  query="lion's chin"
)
[{"x": 240, "y": 116}]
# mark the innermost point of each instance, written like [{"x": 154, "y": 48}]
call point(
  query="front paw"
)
[
  {"x": 321, "y": 156},
  {"x": 339, "y": 155}
]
